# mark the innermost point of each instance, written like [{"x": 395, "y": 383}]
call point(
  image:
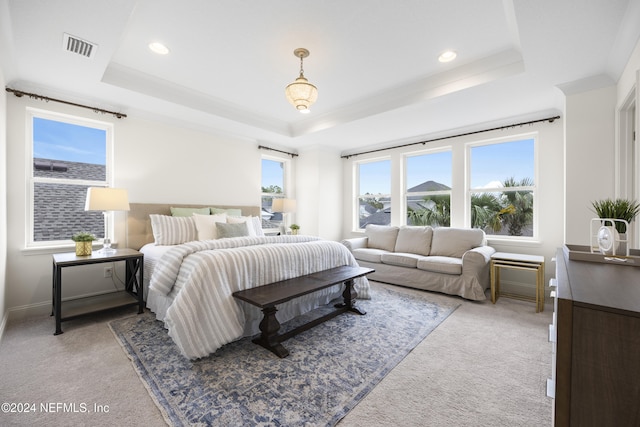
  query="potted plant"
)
[
  {"x": 617, "y": 209},
  {"x": 294, "y": 228},
  {"x": 83, "y": 241}
]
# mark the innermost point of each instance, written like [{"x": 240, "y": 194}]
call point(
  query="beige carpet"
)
[{"x": 486, "y": 365}]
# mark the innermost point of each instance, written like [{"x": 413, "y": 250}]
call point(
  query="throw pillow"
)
[
  {"x": 243, "y": 219},
  {"x": 175, "y": 211},
  {"x": 232, "y": 230},
  {"x": 206, "y": 225},
  {"x": 232, "y": 211},
  {"x": 173, "y": 230}
]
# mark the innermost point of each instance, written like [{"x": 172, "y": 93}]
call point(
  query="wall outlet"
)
[{"x": 108, "y": 271}]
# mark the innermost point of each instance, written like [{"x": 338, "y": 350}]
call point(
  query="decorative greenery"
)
[
  {"x": 617, "y": 209},
  {"x": 436, "y": 211},
  {"x": 83, "y": 236},
  {"x": 294, "y": 227}
]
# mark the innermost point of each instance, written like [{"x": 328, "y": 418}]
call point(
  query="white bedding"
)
[{"x": 191, "y": 285}]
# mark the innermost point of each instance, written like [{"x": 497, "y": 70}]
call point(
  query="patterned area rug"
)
[{"x": 331, "y": 367}]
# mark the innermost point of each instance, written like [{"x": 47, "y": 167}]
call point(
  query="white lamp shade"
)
[
  {"x": 106, "y": 199},
  {"x": 284, "y": 205}
]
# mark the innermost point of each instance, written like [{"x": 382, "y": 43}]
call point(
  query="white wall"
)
[
  {"x": 628, "y": 157},
  {"x": 589, "y": 168},
  {"x": 629, "y": 78},
  {"x": 155, "y": 161},
  {"x": 3, "y": 205},
  {"x": 319, "y": 193}
]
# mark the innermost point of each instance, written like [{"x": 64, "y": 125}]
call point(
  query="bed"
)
[{"x": 189, "y": 281}]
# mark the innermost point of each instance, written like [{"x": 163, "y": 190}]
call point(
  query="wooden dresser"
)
[{"x": 596, "y": 343}]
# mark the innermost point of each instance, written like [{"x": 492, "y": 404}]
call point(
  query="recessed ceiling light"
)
[
  {"x": 158, "y": 48},
  {"x": 447, "y": 56}
]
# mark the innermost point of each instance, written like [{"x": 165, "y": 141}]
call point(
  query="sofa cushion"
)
[
  {"x": 381, "y": 236},
  {"x": 455, "y": 242},
  {"x": 368, "y": 254},
  {"x": 401, "y": 259},
  {"x": 414, "y": 240},
  {"x": 440, "y": 264}
]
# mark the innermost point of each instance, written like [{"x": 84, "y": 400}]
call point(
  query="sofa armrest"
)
[
  {"x": 355, "y": 243},
  {"x": 476, "y": 259}
]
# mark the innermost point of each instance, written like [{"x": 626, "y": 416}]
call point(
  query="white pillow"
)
[
  {"x": 254, "y": 224},
  {"x": 206, "y": 225},
  {"x": 173, "y": 230}
]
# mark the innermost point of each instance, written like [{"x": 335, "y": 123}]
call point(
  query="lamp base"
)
[
  {"x": 106, "y": 251},
  {"x": 106, "y": 248}
]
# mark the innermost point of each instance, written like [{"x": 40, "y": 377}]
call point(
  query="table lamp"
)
[
  {"x": 106, "y": 200},
  {"x": 284, "y": 206}
]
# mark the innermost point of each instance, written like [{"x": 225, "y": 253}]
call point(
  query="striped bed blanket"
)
[{"x": 200, "y": 277}]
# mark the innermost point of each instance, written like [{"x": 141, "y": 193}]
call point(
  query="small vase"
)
[
  {"x": 83, "y": 248},
  {"x": 294, "y": 232}
]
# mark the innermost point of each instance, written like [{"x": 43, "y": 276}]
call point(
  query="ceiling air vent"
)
[{"x": 81, "y": 47}]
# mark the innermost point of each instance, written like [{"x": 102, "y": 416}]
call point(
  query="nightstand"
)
[{"x": 132, "y": 294}]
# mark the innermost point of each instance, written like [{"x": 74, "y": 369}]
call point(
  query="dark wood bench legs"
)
[
  {"x": 269, "y": 337},
  {"x": 269, "y": 326},
  {"x": 349, "y": 296}
]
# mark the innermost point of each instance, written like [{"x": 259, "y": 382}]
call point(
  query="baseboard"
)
[
  {"x": 44, "y": 308},
  {"x": 3, "y": 325},
  {"x": 29, "y": 310}
]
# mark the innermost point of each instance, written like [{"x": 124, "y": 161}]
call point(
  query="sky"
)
[
  {"x": 272, "y": 173},
  {"x": 489, "y": 164},
  {"x": 64, "y": 141},
  {"x": 498, "y": 162}
]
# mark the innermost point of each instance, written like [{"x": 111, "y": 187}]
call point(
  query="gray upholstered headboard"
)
[{"x": 139, "y": 230}]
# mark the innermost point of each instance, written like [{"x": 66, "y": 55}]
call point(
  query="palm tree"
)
[
  {"x": 436, "y": 211},
  {"x": 486, "y": 211},
  {"x": 522, "y": 203}
]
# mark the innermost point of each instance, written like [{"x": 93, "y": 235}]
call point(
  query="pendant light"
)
[{"x": 301, "y": 94}]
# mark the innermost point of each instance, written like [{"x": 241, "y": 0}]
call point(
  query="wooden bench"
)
[{"x": 268, "y": 296}]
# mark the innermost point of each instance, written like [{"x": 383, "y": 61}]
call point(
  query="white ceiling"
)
[{"x": 374, "y": 62}]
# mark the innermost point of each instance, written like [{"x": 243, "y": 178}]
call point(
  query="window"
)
[
  {"x": 428, "y": 193},
  {"x": 374, "y": 193},
  {"x": 502, "y": 187},
  {"x": 273, "y": 187},
  {"x": 67, "y": 155}
]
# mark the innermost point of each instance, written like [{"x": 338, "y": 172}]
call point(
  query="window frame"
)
[
  {"x": 356, "y": 188},
  {"x": 286, "y": 178},
  {"x": 405, "y": 170},
  {"x": 533, "y": 188},
  {"x": 31, "y": 180}
]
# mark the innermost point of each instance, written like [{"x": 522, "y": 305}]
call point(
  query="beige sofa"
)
[{"x": 454, "y": 261}]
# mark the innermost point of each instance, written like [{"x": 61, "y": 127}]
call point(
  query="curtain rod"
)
[
  {"x": 548, "y": 119},
  {"x": 20, "y": 94},
  {"x": 279, "y": 151}
]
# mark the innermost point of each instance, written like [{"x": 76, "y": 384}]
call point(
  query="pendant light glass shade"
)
[{"x": 301, "y": 94}]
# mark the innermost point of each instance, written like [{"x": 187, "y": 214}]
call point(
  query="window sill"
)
[
  {"x": 54, "y": 249},
  {"x": 513, "y": 242}
]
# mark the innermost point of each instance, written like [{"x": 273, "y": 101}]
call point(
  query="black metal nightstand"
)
[{"x": 132, "y": 294}]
